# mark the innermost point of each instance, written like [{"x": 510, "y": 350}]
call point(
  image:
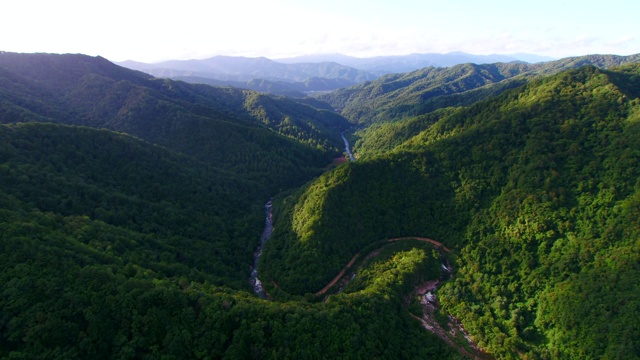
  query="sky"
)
[{"x": 153, "y": 31}]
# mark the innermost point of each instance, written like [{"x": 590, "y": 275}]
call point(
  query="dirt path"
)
[
  {"x": 434, "y": 242},
  {"x": 355, "y": 257},
  {"x": 339, "y": 276}
]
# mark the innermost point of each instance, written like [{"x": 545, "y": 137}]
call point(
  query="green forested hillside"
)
[
  {"x": 537, "y": 190},
  {"x": 115, "y": 248},
  {"x": 398, "y": 96},
  {"x": 233, "y": 129},
  {"x": 102, "y": 177}
]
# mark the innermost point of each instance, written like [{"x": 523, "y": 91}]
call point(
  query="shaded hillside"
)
[
  {"x": 405, "y": 95},
  {"x": 537, "y": 192},
  {"x": 187, "y": 210},
  {"x": 224, "y": 127}
]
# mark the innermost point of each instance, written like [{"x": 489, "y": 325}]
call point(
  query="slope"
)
[
  {"x": 412, "y": 62},
  {"x": 182, "y": 204},
  {"x": 536, "y": 190}
]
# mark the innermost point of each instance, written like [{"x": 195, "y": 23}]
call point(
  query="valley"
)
[{"x": 134, "y": 222}]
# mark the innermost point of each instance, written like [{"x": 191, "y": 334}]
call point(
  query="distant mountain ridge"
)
[
  {"x": 297, "y": 76},
  {"x": 237, "y": 68},
  {"x": 411, "y": 62}
]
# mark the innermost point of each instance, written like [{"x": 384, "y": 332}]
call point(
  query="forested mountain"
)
[
  {"x": 230, "y": 128},
  {"x": 419, "y": 92},
  {"x": 307, "y": 74},
  {"x": 537, "y": 192}
]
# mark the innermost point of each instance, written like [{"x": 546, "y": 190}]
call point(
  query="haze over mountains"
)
[
  {"x": 411, "y": 62},
  {"x": 305, "y": 74}
]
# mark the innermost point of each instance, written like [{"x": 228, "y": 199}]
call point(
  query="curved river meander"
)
[{"x": 426, "y": 291}]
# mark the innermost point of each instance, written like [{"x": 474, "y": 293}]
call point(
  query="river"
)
[
  {"x": 346, "y": 147},
  {"x": 266, "y": 233}
]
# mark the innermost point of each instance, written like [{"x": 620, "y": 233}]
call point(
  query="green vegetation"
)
[
  {"x": 276, "y": 141},
  {"x": 297, "y": 89},
  {"x": 346, "y": 209},
  {"x": 537, "y": 190},
  {"x": 112, "y": 247},
  {"x": 185, "y": 208},
  {"x": 419, "y": 92}
]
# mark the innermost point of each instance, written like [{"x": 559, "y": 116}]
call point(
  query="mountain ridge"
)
[
  {"x": 241, "y": 71},
  {"x": 238, "y": 68},
  {"x": 415, "y": 61},
  {"x": 419, "y": 92}
]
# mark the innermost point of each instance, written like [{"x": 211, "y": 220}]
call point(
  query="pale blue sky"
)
[{"x": 158, "y": 30}]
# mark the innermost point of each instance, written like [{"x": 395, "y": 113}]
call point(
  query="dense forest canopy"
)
[
  {"x": 131, "y": 208},
  {"x": 536, "y": 189}
]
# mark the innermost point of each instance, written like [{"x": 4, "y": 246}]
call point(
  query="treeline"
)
[
  {"x": 67, "y": 296},
  {"x": 536, "y": 190}
]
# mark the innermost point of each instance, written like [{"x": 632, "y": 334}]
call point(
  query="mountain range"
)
[
  {"x": 411, "y": 62},
  {"x": 492, "y": 212},
  {"x": 306, "y": 74},
  {"x": 236, "y": 70}
]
